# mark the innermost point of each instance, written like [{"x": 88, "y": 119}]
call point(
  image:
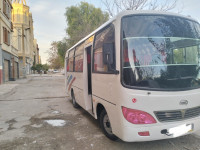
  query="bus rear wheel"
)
[
  {"x": 74, "y": 101},
  {"x": 106, "y": 126}
]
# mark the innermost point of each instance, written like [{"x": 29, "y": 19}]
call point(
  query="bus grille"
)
[{"x": 174, "y": 115}]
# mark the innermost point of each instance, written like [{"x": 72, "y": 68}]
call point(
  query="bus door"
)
[
  {"x": 89, "y": 70},
  {"x": 87, "y": 78}
]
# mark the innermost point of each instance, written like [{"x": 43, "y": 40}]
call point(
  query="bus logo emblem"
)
[{"x": 183, "y": 102}]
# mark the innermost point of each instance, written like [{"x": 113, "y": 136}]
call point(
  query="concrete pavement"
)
[
  {"x": 37, "y": 115},
  {"x": 9, "y": 86},
  {"x": 6, "y": 88}
]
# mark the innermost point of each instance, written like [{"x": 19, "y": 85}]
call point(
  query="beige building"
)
[
  {"x": 36, "y": 48},
  {"x": 8, "y": 53},
  {"x": 24, "y": 36}
]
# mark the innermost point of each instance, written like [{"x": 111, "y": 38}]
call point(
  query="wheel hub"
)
[{"x": 106, "y": 123}]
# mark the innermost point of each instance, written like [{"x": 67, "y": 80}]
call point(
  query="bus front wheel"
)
[{"x": 106, "y": 126}]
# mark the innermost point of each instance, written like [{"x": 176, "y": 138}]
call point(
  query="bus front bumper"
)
[{"x": 161, "y": 131}]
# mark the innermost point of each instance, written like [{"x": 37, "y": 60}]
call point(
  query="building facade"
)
[
  {"x": 9, "y": 62},
  {"x": 36, "y": 56},
  {"x": 40, "y": 60},
  {"x": 24, "y": 36}
]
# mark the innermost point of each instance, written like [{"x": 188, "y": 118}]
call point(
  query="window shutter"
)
[
  {"x": 4, "y": 7},
  {"x": 8, "y": 11},
  {"x": 6, "y": 31},
  {"x": 8, "y": 38},
  {"x": 4, "y": 35}
]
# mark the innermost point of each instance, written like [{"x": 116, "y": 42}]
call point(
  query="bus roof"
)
[{"x": 131, "y": 12}]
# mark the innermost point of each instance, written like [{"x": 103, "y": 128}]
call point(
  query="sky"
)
[{"x": 50, "y": 22}]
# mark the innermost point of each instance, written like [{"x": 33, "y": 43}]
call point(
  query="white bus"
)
[{"x": 139, "y": 75}]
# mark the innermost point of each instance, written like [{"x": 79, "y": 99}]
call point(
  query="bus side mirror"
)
[
  {"x": 108, "y": 49},
  {"x": 108, "y": 56}
]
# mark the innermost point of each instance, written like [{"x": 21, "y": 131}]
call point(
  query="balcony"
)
[{"x": 14, "y": 50}]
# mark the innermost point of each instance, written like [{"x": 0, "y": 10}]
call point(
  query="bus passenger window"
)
[
  {"x": 107, "y": 35},
  {"x": 71, "y": 61},
  {"x": 67, "y": 64},
  {"x": 79, "y": 58}
]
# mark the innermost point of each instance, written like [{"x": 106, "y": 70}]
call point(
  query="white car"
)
[{"x": 55, "y": 71}]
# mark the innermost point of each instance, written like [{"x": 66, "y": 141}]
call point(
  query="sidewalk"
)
[
  {"x": 5, "y": 88},
  {"x": 10, "y": 85}
]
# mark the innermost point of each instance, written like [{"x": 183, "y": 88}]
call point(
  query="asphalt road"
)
[{"x": 26, "y": 111}]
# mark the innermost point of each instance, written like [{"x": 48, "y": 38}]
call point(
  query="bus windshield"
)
[{"x": 160, "y": 52}]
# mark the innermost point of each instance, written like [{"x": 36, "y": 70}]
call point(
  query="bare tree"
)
[{"x": 115, "y": 6}]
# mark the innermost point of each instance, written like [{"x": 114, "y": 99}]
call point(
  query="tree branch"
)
[{"x": 115, "y": 6}]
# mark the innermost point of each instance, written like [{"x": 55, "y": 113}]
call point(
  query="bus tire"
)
[
  {"x": 106, "y": 126},
  {"x": 75, "y": 104}
]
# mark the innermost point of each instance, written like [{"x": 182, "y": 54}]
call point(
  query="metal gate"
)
[
  {"x": 6, "y": 70},
  {"x": 15, "y": 70}
]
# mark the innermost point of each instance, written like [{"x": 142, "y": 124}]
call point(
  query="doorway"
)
[
  {"x": 6, "y": 70},
  {"x": 88, "y": 49}
]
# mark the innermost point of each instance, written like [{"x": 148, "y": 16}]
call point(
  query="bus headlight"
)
[{"x": 137, "y": 116}]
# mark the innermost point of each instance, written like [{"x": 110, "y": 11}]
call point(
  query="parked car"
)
[{"x": 55, "y": 71}]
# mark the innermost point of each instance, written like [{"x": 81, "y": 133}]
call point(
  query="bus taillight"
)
[{"x": 137, "y": 116}]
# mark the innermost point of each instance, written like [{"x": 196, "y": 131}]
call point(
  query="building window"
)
[
  {"x": 6, "y": 9},
  {"x": 6, "y": 36},
  {"x": 106, "y": 35}
]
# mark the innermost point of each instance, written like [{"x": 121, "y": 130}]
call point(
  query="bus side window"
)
[
  {"x": 67, "y": 64},
  {"x": 106, "y": 35},
  {"x": 71, "y": 61},
  {"x": 79, "y": 58}
]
